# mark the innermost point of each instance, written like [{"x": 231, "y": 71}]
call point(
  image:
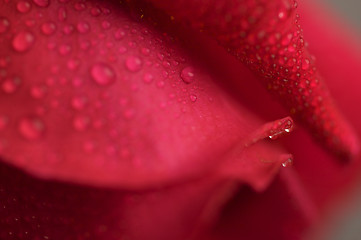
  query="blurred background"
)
[{"x": 347, "y": 224}]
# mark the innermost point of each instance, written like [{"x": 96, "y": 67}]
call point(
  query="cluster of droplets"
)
[
  {"x": 120, "y": 50},
  {"x": 267, "y": 37}
]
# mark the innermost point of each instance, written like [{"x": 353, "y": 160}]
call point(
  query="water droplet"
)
[
  {"x": 122, "y": 49},
  {"x": 106, "y": 25},
  {"x": 41, "y": 3},
  {"x": 95, "y": 11},
  {"x": 48, "y": 28},
  {"x": 305, "y": 64},
  {"x": 193, "y": 97},
  {"x": 83, "y": 27},
  {"x": 62, "y": 14},
  {"x": 119, "y": 34},
  {"x": 64, "y": 49},
  {"x": 280, "y": 128},
  {"x": 23, "y": 41},
  {"x": 38, "y": 92},
  {"x": 3, "y": 122},
  {"x": 103, "y": 74},
  {"x": 31, "y": 127},
  {"x": 68, "y": 29},
  {"x": 11, "y": 85},
  {"x": 79, "y": 103},
  {"x": 148, "y": 78},
  {"x": 79, "y": 6},
  {"x": 187, "y": 75},
  {"x": 133, "y": 63},
  {"x": 4, "y": 24},
  {"x": 23, "y": 6},
  {"x": 73, "y": 64},
  {"x": 287, "y": 160},
  {"x": 81, "y": 123}
]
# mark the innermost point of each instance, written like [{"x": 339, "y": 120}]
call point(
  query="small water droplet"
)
[
  {"x": 119, "y": 34},
  {"x": 95, "y": 11},
  {"x": 23, "y": 41},
  {"x": 106, "y": 25},
  {"x": 79, "y": 103},
  {"x": 193, "y": 97},
  {"x": 38, "y": 92},
  {"x": 133, "y": 63},
  {"x": 68, "y": 29},
  {"x": 103, "y": 74},
  {"x": 23, "y": 6},
  {"x": 11, "y": 85},
  {"x": 73, "y": 64},
  {"x": 64, "y": 49},
  {"x": 4, "y": 24},
  {"x": 187, "y": 75},
  {"x": 62, "y": 14},
  {"x": 31, "y": 127},
  {"x": 3, "y": 122},
  {"x": 41, "y": 3},
  {"x": 48, "y": 28},
  {"x": 79, "y": 6},
  {"x": 305, "y": 64},
  {"x": 83, "y": 27},
  {"x": 81, "y": 123},
  {"x": 148, "y": 78}
]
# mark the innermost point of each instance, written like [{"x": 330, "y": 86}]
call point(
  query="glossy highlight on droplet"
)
[
  {"x": 23, "y": 6},
  {"x": 4, "y": 24}
]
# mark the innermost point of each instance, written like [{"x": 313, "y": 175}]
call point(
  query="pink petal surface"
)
[{"x": 101, "y": 97}]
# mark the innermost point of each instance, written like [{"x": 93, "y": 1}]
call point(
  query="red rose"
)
[{"x": 133, "y": 123}]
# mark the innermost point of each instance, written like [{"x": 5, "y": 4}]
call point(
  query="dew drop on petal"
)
[
  {"x": 62, "y": 14},
  {"x": 38, "y": 92},
  {"x": 187, "y": 75},
  {"x": 23, "y": 6},
  {"x": 11, "y": 85},
  {"x": 193, "y": 98},
  {"x": 23, "y": 41},
  {"x": 3, "y": 122},
  {"x": 83, "y": 27},
  {"x": 148, "y": 78},
  {"x": 287, "y": 160},
  {"x": 31, "y": 128},
  {"x": 41, "y": 3},
  {"x": 81, "y": 123},
  {"x": 280, "y": 128},
  {"x": 102, "y": 74},
  {"x": 133, "y": 63},
  {"x": 95, "y": 11},
  {"x": 119, "y": 34},
  {"x": 4, "y": 24},
  {"x": 48, "y": 28},
  {"x": 78, "y": 103}
]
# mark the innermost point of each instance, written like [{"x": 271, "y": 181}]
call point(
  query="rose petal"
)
[{"x": 93, "y": 95}]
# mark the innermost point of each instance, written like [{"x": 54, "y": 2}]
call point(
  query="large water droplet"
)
[
  {"x": 31, "y": 128},
  {"x": 280, "y": 128},
  {"x": 23, "y": 41},
  {"x": 41, "y": 3},
  {"x": 187, "y": 75},
  {"x": 83, "y": 27},
  {"x": 48, "y": 28},
  {"x": 23, "y": 6},
  {"x": 103, "y": 74},
  {"x": 4, "y": 24},
  {"x": 133, "y": 63}
]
